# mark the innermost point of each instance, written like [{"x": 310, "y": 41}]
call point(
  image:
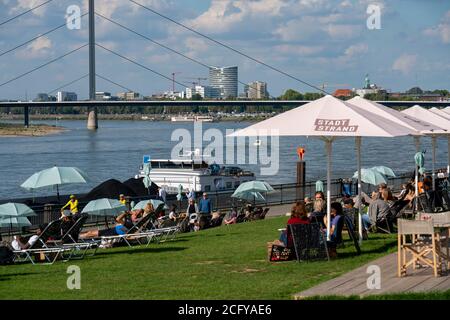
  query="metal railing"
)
[{"x": 221, "y": 200}]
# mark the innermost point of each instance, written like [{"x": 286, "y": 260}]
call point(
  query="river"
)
[{"x": 116, "y": 150}]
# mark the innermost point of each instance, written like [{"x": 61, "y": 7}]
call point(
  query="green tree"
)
[
  {"x": 196, "y": 97},
  {"x": 291, "y": 94}
]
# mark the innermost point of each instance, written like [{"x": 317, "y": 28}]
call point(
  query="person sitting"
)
[
  {"x": 20, "y": 243},
  {"x": 308, "y": 204},
  {"x": 337, "y": 224},
  {"x": 173, "y": 213},
  {"x": 192, "y": 214},
  {"x": 192, "y": 207},
  {"x": 319, "y": 208},
  {"x": 298, "y": 216},
  {"x": 216, "y": 220},
  {"x": 231, "y": 217},
  {"x": 122, "y": 226},
  {"x": 67, "y": 221},
  {"x": 349, "y": 209}
]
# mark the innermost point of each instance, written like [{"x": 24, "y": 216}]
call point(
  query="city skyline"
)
[{"x": 322, "y": 42}]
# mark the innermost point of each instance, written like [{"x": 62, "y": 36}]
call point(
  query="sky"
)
[{"x": 322, "y": 42}]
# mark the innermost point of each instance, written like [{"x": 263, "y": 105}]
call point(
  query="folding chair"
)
[
  {"x": 309, "y": 242},
  {"x": 40, "y": 247},
  {"x": 422, "y": 243},
  {"x": 140, "y": 230},
  {"x": 263, "y": 215},
  {"x": 383, "y": 218}
]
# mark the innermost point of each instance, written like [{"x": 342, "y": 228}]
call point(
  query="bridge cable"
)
[
  {"x": 68, "y": 84},
  {"x": 43, "y": 65},
  {"x": 25, "y": 12},
  {"x": 229, "y": 47},
  {"x": 140, "y": 65},
  {"x": 115, "y": 83},
  {"x": 164, "y": 46},
  {"x": 37, "y": 37}
]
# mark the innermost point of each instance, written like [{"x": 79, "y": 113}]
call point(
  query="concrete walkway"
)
[{"x": 356, "y": 282}]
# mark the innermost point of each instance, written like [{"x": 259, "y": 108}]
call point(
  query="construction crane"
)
[
  {"x": 173, "y": 79},
  {"x": 197, "y": 78}
]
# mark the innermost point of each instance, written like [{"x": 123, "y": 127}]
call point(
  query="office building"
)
[
  {"x": 129, "y": 96},
  {"x": 225, "y": 79},
  {"x": 66, "y": 96},
  {"x": 206, "y": 92},
  {"x": 256, "y": 90},
  {"x": 42, "y": 97},
  {"x": 102, "y": 96}
]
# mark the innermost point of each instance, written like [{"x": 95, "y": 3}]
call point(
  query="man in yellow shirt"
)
[
  {"x": 122, "y": 199},
  {"x": 72, "y": 204}
]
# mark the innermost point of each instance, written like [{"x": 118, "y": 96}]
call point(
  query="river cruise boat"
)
[{"x": 195, "y": 175}]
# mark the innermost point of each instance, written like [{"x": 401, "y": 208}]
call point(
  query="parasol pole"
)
[
  {"x": 433, "y": 174},
  {"x": 358, "y": 161},
  {"x": 329, "y": 142},
  {"x": 416, "y": 175}
]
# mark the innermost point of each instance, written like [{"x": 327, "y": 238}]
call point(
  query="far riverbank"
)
[
  {"x": 128, "y": 117},
  {"x": 18, "y": 130}
]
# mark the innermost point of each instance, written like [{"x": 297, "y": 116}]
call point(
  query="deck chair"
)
[
  {"x": 349, "y": 225},
  {"x": 263, "y": 215},
  {"x": 309, "y": 242},
  {"x": 422, "y": 245},
  {"x": 383, "y": 220},
  {"x": 164, "y": 234},
  {"x": 40, "y": 247},
  {"x": 425, "y": 204},
  {"x": 70, "y": 239},
  {"x": 445, "y": 199},
  {"x": 139, "y": 231}
]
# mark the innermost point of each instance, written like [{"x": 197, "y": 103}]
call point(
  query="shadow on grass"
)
[
  {"x": 381, "y": 249},
  {"x": 106, "y": 252},
  {"x": 6, "y": 277}
]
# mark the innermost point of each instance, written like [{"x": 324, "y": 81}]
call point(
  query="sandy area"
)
[{"x": 18, "y": 130}]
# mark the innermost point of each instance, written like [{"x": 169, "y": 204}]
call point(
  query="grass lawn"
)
[{"x": 220, "y": 263}]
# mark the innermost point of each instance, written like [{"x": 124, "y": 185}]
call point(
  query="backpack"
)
[{"x": 6, "y": 255}]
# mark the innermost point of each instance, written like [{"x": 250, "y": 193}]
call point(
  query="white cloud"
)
[
  {"x": 441, "y": 31},
  {"x": 356, "y": 49},
  {"x": 299, "y": 49},
  {"x": 405, "y": 63},
  {"x": 223, "y": 15},
  {"x": 195, "y": 44},
  {"x": 23, "y": 5},
  {"x": 109, "y": 7},
  {"x": 39, "y": 48}
]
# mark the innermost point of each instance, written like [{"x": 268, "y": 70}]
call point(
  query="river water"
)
[{"x": 116, "y": 150}]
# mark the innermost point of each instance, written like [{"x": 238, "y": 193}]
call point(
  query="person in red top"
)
[{"x": 298, "y": 216}]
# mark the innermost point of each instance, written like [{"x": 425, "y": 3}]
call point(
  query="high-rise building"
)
[
  {"x": 256, "y": 90},
  {"x": 41, "y": 97},
  {"x": 129, "y": 95},
  {"x": 224, "y": 79},
  {"x": 204, "y": 92},
  {"x": 102, "y": 96},
  {"x": 66, "y": 96}
]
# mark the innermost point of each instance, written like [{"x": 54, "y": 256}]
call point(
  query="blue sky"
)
[{"x": 319, "y": 41}]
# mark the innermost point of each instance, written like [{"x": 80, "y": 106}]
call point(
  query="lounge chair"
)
[
  {"x": 70, "y": 238},
  {"x": 48, "y": 253},
  {"x": 140, "y": 230}
]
